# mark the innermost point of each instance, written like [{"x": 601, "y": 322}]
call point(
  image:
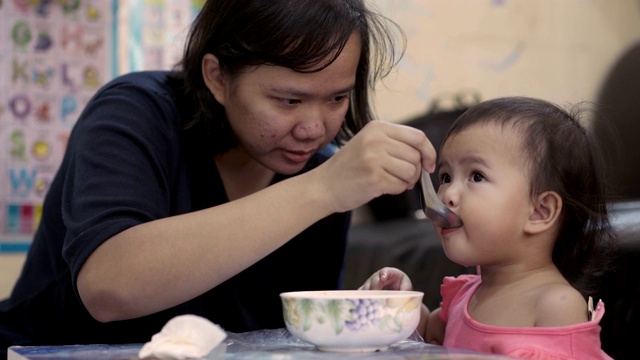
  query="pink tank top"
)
[{"x": 577, "y": 341}]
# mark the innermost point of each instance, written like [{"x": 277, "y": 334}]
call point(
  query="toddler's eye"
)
[
  {"x": 445, "y": 178},
  {"x": 477, "y": 177}
]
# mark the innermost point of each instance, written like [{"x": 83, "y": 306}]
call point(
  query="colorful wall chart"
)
[
  {"x": 151, "y": 33},
  {"x": 54, "y": 55}
]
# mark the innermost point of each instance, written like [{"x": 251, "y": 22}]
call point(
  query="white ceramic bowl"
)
[{"x": 352, "y": 320}]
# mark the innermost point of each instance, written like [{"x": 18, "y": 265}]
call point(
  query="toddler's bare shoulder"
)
[{"x": 560, "y": 305}]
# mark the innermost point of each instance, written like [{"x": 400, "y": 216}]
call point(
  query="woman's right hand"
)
[
  {"x": 388, "y": 278},
  {"x": 383, "y": 158}
]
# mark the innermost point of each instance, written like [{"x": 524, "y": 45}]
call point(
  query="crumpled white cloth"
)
[{"x": 184, "y": 337}]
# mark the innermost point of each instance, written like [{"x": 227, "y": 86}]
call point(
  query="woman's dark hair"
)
[
  {"x": 303, "y": 35},
  {"x": 562, "y": 157}
]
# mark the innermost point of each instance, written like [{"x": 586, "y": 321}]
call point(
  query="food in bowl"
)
[{"x": 352, "y": 320}]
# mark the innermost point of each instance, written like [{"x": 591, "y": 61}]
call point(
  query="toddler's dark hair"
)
[{"x": 562, "y": 156}]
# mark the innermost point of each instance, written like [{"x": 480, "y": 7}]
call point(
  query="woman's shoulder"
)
[
  {"x": 150, "y": 93},
  {"x": 143, "y": 76},
  {"x": 159, "y": 81},
  {"x": 142, "y": 104}
]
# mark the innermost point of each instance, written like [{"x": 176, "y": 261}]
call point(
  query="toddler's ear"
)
[{"x": 545, "y": 212}]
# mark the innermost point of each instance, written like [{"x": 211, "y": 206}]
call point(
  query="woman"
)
[{"x": 209, "y": 190}]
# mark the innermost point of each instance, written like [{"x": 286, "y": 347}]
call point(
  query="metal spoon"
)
[{"x": 435, "y": 210}]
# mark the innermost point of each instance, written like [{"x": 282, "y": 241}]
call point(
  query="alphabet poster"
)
[{"x": 54, "y": 55}]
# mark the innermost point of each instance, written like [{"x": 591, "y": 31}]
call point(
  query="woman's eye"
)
[
  {"x": 340, "y": 98},
  {"x": 289, "y": 102},
  {"x": 477, "y": 177}
]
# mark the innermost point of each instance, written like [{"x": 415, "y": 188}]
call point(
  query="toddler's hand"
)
[{"x": 387, "y": 278}]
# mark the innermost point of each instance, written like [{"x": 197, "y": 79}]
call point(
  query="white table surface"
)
[{"x": 275, "y": 344}]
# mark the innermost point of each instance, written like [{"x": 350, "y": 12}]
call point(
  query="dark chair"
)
[
  {"x": 621, "y": 286},
  {"x": 617, "y": 130},
  {"x": 618, "y": 127}
]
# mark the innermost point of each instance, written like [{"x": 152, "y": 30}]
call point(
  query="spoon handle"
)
[{"x": 435, "y": 210}]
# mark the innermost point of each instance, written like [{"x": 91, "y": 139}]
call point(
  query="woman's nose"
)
[{"x": 311, "y": 125}]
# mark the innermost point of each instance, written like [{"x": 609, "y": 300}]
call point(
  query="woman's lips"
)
[{"x": 297, "y": 156}]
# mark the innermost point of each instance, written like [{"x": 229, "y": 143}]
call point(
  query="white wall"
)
[
  {"x": 559, "y": 50},
  {"x": 10, "y": 265}
]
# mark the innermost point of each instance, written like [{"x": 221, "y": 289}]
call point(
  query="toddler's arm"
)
[{"x": 434, "y": 328}]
